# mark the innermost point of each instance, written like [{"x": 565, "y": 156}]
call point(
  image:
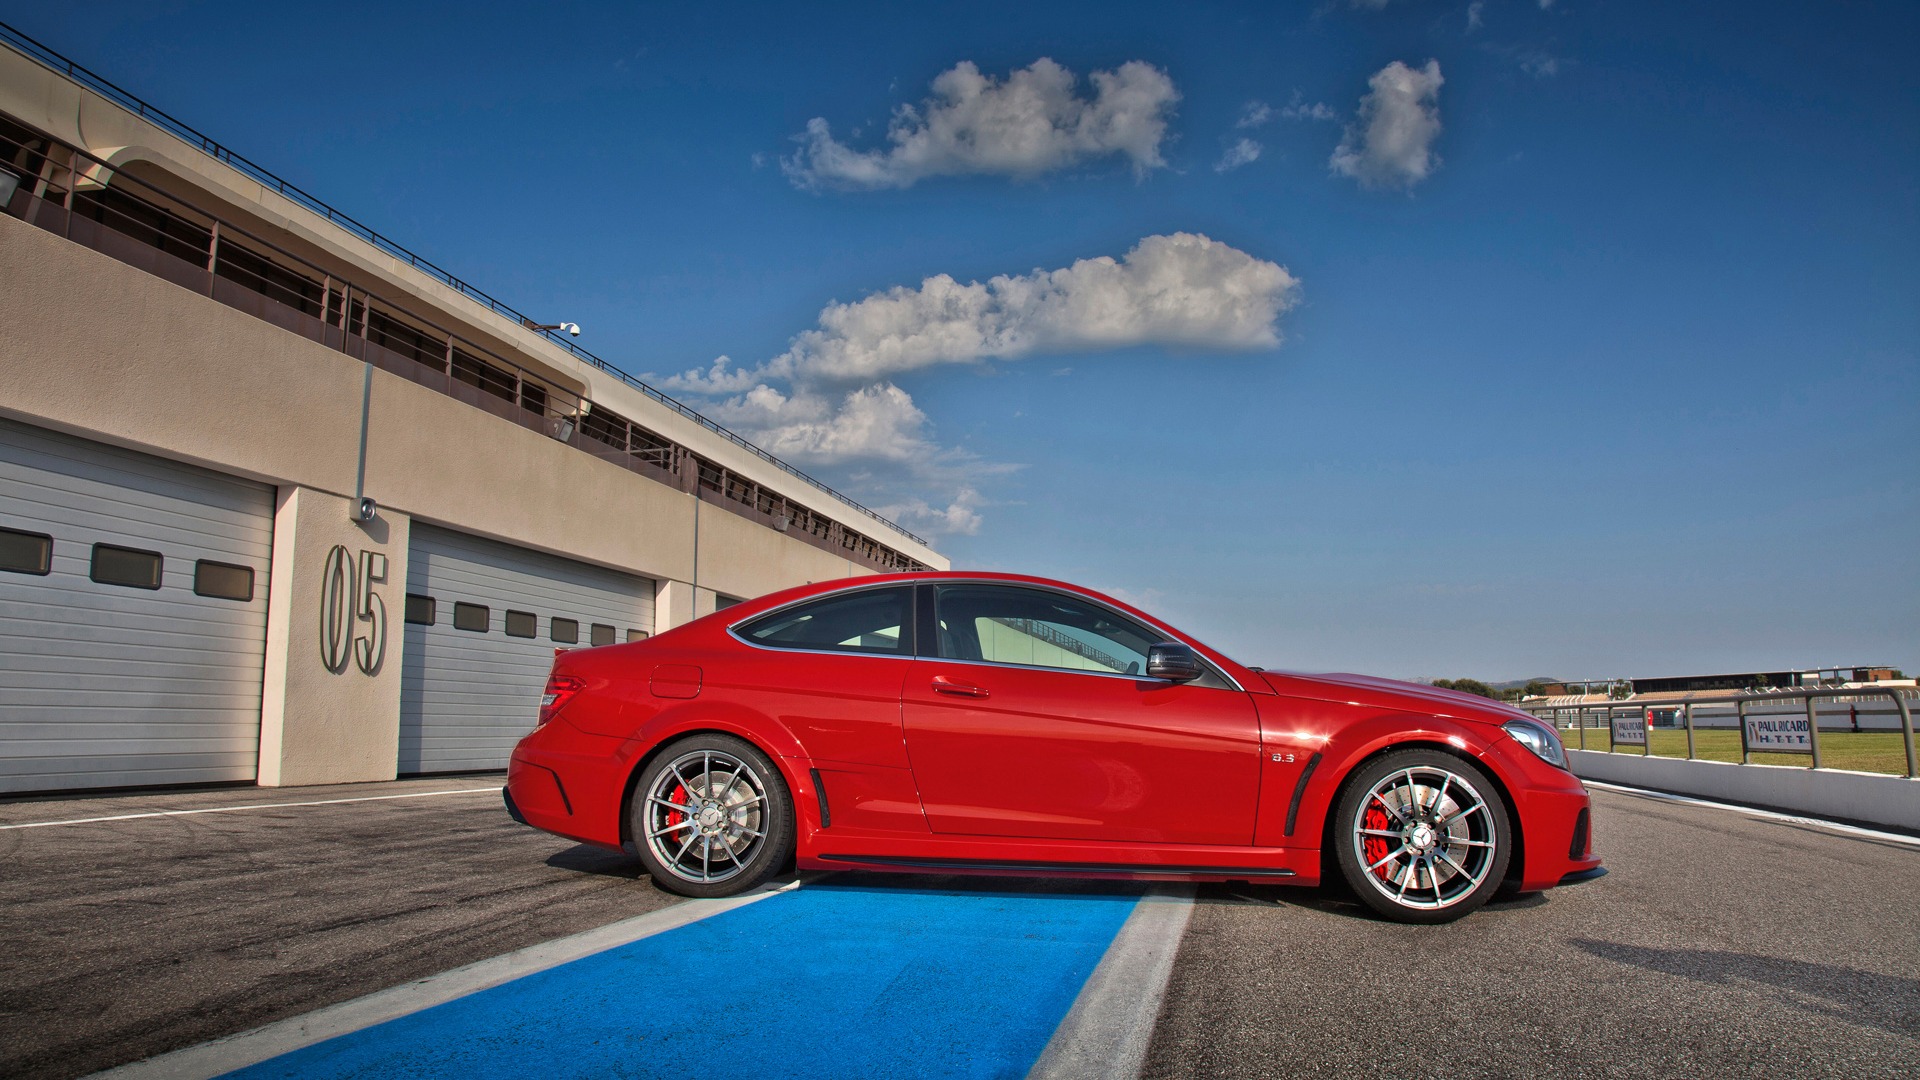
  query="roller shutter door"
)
[
  {"x": 106, "y": 684},
  {"x": 469, "y": 689}
]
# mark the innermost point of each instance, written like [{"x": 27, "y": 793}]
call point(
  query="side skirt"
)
[{"x": 1038, "y": 868}]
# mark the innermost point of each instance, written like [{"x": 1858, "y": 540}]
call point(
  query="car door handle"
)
[{"x": 944, "y": 685}]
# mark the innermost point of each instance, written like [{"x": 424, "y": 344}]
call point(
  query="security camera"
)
[
  {"x": 571, "y": 328},
  {"x": 367, "y": 510}
]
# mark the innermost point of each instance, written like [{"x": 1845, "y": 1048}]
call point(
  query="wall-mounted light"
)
[
  {"x": 572, "y": 328},
  {"x": 561, "y": 428}
]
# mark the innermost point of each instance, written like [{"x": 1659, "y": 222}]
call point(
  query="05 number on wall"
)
[{"x": 347, "y": 601}]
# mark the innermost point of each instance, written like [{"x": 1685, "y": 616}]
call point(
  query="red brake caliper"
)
[
  {"x": 678, "y": 795},
  {"x": 1376, "y": 846}
]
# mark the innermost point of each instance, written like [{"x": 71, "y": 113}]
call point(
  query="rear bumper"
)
[
  {"x": 567, "y": 782},
  {"x": 512, "y": 810}
]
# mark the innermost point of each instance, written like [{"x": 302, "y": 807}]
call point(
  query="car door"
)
[{"x": 1027, "y": 715}]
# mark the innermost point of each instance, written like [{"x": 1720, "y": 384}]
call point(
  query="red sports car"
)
[{"x": 997, "y": 724}]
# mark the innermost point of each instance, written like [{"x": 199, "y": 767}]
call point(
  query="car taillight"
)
[{"x": 560, "y": 690}]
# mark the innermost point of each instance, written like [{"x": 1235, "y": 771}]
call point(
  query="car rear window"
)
[{"x": 867, "y": 621}]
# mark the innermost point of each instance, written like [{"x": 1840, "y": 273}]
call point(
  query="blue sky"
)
[{"x": 1596, "y": 321}]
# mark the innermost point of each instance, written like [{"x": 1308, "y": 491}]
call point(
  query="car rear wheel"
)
[
  {"x": 1422, "y": 836},
  {"x": 711, "y": 816}
]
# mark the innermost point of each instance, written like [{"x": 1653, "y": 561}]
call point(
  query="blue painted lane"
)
[{"x": 829, "y": 980}]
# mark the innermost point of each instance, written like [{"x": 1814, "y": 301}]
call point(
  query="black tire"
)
[
  {"x": 1421, "y": 836},
  {"x": 732, "y": 832}
]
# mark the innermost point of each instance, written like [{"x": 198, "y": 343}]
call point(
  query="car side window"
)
[
  {"x": 868, "y": 621},
  {"x": 1037, "y": 628}
]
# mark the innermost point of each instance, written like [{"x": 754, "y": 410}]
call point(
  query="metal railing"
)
[
  {"x": 61, "y": 65},
  {"x": 1741, "y": 704}
]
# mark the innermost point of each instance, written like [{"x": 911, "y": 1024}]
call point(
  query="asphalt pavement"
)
[
  {"x": 1719, "y": 945},
  {"x": 124, "y": 939}
]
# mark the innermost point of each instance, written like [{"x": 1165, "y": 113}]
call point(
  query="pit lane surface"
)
[{"x": 1720, "y": 944}]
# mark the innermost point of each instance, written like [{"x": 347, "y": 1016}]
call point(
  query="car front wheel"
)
[
  {"x": 1422, "y": 836},
  {"x": 711, "y": 817}
]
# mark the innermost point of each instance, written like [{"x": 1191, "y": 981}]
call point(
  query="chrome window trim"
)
[
  {"x": 1232, "y": 687},
  {"x": 733, "y": 629}
]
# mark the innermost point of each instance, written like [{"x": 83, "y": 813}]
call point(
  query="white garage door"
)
[
  {"x": 133, "y": 615},
  {"x": 483, "y": 619}
]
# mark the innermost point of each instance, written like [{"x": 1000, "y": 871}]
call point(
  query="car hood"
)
[{"x": 1390, "y": 693}]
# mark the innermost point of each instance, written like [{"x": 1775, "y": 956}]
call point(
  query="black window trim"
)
[
  {"x": 926, "y": 642},
  {"x": 251, "y": 576},
  {"x": 507, "y": 624},
  {"x": 406, "y": 610},
  {"x": 47, "y": 539},
  {"x": 557, "y": 619},
  {"x": 911, "y": 652},
  {"x": 486, "y": 610},
  {"x": 93, "y": 562}
]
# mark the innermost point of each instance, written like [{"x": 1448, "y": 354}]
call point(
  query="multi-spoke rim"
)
[
  {"x": 706, "y": 816},
  {"x": 1425, "y": 837}
]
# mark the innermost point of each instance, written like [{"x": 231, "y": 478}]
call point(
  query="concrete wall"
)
[
  {"x": 1831, "y": 793},
  {"x": 143, "y": 150},
  {"x": 319, "y": 725},
  {"x": 94, "y": 347}
]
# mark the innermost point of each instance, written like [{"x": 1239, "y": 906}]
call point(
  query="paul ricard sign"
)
[
  {"x": 1629, "y": 730},
  {"x": 1778, "y": 734}
]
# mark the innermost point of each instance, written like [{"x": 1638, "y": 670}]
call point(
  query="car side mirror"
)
[{"x": 1173, "y": 661}]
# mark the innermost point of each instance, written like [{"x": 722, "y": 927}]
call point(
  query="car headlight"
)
[{"x": 1538, "y": 738}]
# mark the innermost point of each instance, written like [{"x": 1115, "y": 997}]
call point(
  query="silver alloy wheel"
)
[
  {"x": 1425, "y": 838},
  {"x": 706, "y": 816}
]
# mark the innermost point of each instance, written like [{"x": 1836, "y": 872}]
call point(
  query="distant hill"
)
[{"x": 1515, "y": 684}]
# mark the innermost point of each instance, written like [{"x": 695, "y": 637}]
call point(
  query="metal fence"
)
[{"x": 1743, "y": 708}]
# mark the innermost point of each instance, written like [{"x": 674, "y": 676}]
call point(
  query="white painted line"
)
[
  {"x": 255, "y": 806},
  {"x": 1770, "y": 815},
  {"x": 1106, "y": 1033},
  {"x": 252, "y": 1047}
]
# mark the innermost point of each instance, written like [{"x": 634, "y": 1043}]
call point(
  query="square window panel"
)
[
  {"x": 131, "y": 567},
  {"x": 25, "y": 552},
  {"x": 421, "y": 609},
  {"x": 470, "y": 617},
  {"x": 223, "y": 581},
  {"x": 564, "y": 631},
  {"x": 602, "y": 634},
  {"x": 522, "y": 624}
]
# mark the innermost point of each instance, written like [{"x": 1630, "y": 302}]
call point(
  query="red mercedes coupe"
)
[{"x": 997, "y": 724}]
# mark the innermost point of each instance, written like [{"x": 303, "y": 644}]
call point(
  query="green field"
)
[{"x": 1866, "y": 751}]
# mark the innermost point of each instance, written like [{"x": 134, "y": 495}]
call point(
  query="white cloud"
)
[
  {"x": 1300, "y": 109},
  {"x": 1244, "y": 152},
  {"x": 1545, "y": 4},
  {"x": 1030, "y": 123},
  {"x": 1473, "y": 13},
  {"x": 1180, "y": 289},
  {"x": 1370, "y": 5},
  {"x": 961, "y": 516},
  {"x": 878, "y": 423},
  {"x": 830, "y": 399},
  {"x": 1254, "y": 114},
  {"x": 1390, "y": 144}
]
